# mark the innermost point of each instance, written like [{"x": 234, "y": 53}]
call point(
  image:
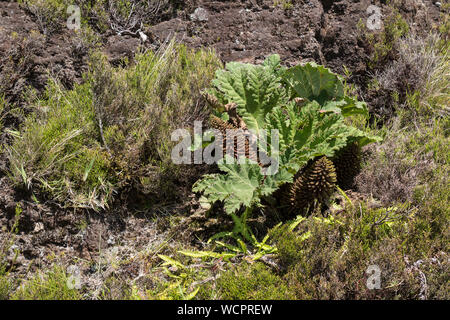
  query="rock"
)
[
  {"x": 438, "y": 4},
  {"x": 119, "y": 47},
  {"x": 199, "y": 14},
  {"x": 110, "y": 240},
  {"x": 143, "y": 36}
]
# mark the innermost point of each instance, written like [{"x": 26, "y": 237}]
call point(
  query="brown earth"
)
[{"x": 324, "y": 31}]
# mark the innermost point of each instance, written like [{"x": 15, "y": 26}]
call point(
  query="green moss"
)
[
  {"x": 252, "y": 282},
  {"x": 288, "y": 243}
]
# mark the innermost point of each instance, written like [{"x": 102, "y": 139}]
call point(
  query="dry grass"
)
[
  {"x": 417, "y": 63},
  {"x": 392, "y": 171},
  {"x": 420, "y": 70}
]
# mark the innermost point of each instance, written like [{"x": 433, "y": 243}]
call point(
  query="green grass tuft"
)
[{"x": 113, "y": 132}]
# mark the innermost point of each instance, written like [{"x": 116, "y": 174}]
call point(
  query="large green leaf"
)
[
  {"x": 308, "y": 133},
  {"x": 314, "y": 82},
  {"x": 347, "y": 106},
  {"x": 255, "y": 89},
  {"x": 240, "y": 185}
]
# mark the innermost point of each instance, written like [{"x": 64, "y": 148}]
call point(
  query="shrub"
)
[
  {"x": 113, "y": 132},
  {"x": 122, "y": 17},
  {"x": 414, "y": 155},
  {"x": 384, "y": 44},
  {"x": 392, "y": 172},
  {"x": 18, "y": 66},
  {"x": 327, "y": 258},
  {"x": 417, "y": 70},
  {"x": 48, "y": 13},
  {"x": 130, "y": 15}
]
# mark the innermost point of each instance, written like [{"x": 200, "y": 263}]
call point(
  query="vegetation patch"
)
[
  {"x": 357, "y": 185},
  {"x": 113, "y": 132}
]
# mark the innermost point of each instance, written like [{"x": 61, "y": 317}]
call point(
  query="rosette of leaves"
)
[{"x": 266, "y": 98}]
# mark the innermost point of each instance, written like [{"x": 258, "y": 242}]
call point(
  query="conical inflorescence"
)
[
  {"x": 220, "y": 124},
  {"x": 314, "y": 183},
  {"x": 348, "y": 164},
  {"x": 240, "y": 147}
]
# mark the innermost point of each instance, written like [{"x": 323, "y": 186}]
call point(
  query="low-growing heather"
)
[{"x": 122, "y": 17}]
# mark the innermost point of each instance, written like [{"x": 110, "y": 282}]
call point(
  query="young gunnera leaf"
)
[
  {"x": 256, "y": 89},
  {"x": 314, "y": 82}
]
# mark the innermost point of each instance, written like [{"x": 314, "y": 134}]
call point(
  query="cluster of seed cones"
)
[
  {"x": 315, "y": 183},
  {"x": 242, "y": 140},
  {"x": 348, "y": 164}
]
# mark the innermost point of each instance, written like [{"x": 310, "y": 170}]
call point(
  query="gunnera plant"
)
[{"x": 266, "y": 98}]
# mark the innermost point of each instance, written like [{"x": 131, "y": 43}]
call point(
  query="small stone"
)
[
  {"x": 438, "y": 4},
  {"x": 143, "y": 36},
  {"x": 110, "y": 240},
  {"x": 199, "y": 14}
]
